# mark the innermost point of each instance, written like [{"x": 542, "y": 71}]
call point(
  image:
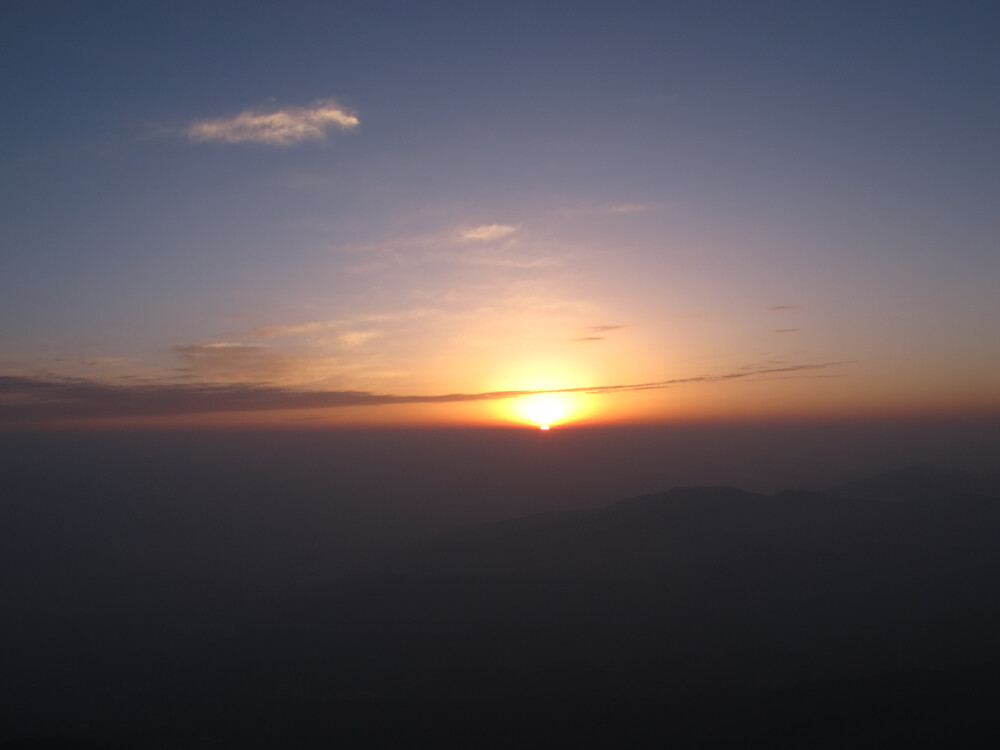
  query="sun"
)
[{"x": 546, "y": 409}]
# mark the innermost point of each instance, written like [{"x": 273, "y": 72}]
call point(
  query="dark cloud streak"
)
[
  {"x": 38, "y": 399},
  {"x": 780, "y": 371}
]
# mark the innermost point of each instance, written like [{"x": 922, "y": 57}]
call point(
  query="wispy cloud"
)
[
  {"x": 786, "y": 330},
  {"x": 601, "y": 329},
  {"x": 742, "y": 373},
  {"x": 296, "y": 329},
  {"x": 359, "y": 330},
  {"x": 357, "y": 338},
  {"x": 597, "y": 329},
  {"x": 275, "y": 127},
  {"x": 510, "y": 261},
  {"x": 604, "y": 209},
  {"x": 629, "y": 208},
  {"x": 486, "y": 232},
  {"x": 229, "y": 362},
  {"x": 25, "y": 399},
  {"x": 778, "y": 308},
  {"x": 504, "y": 247}
]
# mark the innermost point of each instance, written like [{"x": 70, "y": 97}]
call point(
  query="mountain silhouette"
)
[
  {"x": 708, "y": 614},
  {"x": 678, "y": 596}
]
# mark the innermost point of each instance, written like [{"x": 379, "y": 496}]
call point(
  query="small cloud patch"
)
[
  {"x": 268, "y": 332},
  {"x": 276, "y": 127},
  {"x": 356, "y": 338},
  {"x": 486, "y": 232}
]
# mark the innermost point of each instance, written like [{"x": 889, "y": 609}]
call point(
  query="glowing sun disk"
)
[{"x": 545, "y": 409}]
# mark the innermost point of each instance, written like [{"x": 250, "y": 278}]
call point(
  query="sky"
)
[{"x": 446, "y": 213}]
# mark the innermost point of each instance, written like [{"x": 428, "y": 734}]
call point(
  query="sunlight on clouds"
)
[
  {"x": 603, "y": 209},
  {"x": 232, "y": 362},
  {"x": 229, "y": 363},
  {"x": 305, "y": 353},
  {"x": 505, "y": 257},
  {"x": 317, "y": 326},
  {"x": 629, "y": 208},
  {"x": 281, "y": 127},
  {"x": 504, "y": 247},
  {"x": 273, "y": 331},
  {"x": 488, "y": 232}
]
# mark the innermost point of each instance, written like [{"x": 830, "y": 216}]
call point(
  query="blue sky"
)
[{"x": 529, "y": 196}]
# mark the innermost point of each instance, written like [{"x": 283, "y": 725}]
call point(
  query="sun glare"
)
[{"x": 546, "y": 410}]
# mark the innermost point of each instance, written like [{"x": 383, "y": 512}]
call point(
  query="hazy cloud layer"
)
[
  {"x": 488, "y": 232},
  {"x": 604, "y": 209},
  {"x": 253, "y": 364},
  {"x": 273, "y": 331},
  {"x": 48, "y": 399},
  {"x": 230, "y": 362},
  {"x": 320, "y": 326},
  {"x": 786, "y": 330},
  {"x": 629, "y": 208},
  {"x": 778, "y": 308},
  {"x": 487, "y": 247},
  {"x": 357, "y": 338},
  {"x": 276, "y": 127}
]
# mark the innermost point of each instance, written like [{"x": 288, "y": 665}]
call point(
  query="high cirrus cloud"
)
[{"x": 275, "y": 127}]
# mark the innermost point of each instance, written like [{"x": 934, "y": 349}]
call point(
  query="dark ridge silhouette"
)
[{"x": 701, "y": 616}]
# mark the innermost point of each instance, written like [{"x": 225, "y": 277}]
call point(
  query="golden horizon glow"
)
[{"x": 555, "y": 402}]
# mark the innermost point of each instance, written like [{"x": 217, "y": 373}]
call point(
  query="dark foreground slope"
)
[{"x": 700, "y": 616}]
